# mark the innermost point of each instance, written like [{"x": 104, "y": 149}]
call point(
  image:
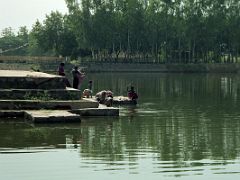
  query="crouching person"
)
[
  {"x": 87, "y": 93},
  {"x": 132, "y": 95}
]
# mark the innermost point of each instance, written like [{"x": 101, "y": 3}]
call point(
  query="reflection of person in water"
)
[
  {"x": 78, "y": 77},
  {"x": 132, "y": 111}
]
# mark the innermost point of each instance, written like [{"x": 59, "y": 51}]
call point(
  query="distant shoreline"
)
[
  {"x": 163, "y": 68},
  {"x": 51, "y": 64}
]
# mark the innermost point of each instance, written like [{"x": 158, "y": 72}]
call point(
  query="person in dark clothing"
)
[
  {"x": 132, "y": 94},
  {"x": 61, "y": 69},
  {"x": 62, "y": 73},
  {"x": 90, "y": 84},
  {"x": 77, "y": 77}
]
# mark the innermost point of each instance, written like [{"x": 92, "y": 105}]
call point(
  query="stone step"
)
[
  {"x": 40, "y": 94},
  {"x": 49, "y": 116},
  {"x": 102, "y": 110},
  {"x": 11, "y": 113},
  {"x": 52, "y": 104},
  {"x": 123, "y": 100},
  {"x": 13, "y": 79}
]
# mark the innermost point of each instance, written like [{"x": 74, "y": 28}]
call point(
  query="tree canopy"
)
[{"x": 156, "y": 31}]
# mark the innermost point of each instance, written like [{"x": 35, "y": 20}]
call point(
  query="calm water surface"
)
[{"x": 186, "y": 126}]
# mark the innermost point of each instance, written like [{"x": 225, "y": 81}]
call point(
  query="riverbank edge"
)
[
  {"x": 162, "y": 68},
  {"x": 21, "y": 63}
]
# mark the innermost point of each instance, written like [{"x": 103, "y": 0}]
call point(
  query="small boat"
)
[{"x": 122, "y": 100}]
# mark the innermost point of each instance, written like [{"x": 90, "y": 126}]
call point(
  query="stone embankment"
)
[{"x": 41, "y": 97}]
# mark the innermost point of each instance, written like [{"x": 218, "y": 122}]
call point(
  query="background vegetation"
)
[{"x": 157, "y": 31}]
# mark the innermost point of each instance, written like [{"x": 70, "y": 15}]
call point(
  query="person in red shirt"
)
[{"x": 132, "y": 94}]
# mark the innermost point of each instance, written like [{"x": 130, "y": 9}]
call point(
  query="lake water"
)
[{"x": 185, "y": 126}]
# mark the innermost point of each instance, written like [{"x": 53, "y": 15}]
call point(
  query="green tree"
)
[
  {"x": 53, "y": 31},
  {"x": 12, "y": 44}
]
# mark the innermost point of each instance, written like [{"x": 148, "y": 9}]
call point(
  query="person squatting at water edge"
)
[
  {"x": 78, "y": 77},
  {"x": 132, "y": 94},
  {"x": 88, "y": 92},
  {"x": 105, "y": 97},
  {"x": 62, "y": 73}
]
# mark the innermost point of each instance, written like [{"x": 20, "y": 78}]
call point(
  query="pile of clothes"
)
[{"x": 105, "y": 97}]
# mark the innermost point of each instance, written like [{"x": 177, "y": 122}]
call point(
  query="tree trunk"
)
[
  {"x": 128, "y": 45},
  {"x": 156, "y": 52},
  {"x": 179, "y": 50},
  {"x": 193, "y": 51},
  {"x": 93, "y": 54}
]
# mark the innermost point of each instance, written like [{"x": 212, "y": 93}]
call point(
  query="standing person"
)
[
  {"x": 90, "y": 84},
  {"x": 77, "y": 77},
  {"x": 62, "y": 73},
  {"x": 61, "y": 69}
]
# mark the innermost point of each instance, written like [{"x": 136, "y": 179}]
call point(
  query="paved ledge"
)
[
  {"x": 60, "y": 116},
  {"x": 22, "y": 94},
  {"x": 102, "y": 110},
  {"x": 49, "y": 116},
  {"x": 122, "y": 100},
  {"x": 11, "y": 113},
  {"x": 37, "y": 105},
  {"x": 29, "y": 74},
  {"x": 16, "y": 79},
  {"x": 118, "y": 100}
]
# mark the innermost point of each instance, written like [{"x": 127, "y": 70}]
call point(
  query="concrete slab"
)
[
  {"x": 29, "y": 74},
  {"x": 23, "y": 94},
  {"x": 49, "y": 116},
  {"x": 118, "y": 100},
  {"x": 37, "y": 105},
  {"x": 100, "y": 111},
  {"x": 122, "y": 100},
  {"x": 15, "y": 79},
  {"x": 11, "y": 113}
]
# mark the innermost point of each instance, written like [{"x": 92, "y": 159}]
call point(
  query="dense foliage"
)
[{"x": 160, "y": 31}]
